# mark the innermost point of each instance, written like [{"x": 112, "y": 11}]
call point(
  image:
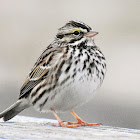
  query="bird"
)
[{"x": 66, "y": 75}]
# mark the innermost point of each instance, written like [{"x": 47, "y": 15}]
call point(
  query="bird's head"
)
[{"x": 74, "y": 31}]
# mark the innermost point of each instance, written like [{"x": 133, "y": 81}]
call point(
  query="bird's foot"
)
[
  {"x": 79, "y": 122},
  {"x": 82, "y": 123},
  {"x": 64, "y": 124}
]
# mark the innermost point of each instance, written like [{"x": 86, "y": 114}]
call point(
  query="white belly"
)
[{"x": 70, "y": 95}]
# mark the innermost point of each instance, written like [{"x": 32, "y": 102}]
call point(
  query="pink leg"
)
[
  {"x": 80, "y": 121},
  {"x": 61, "y": 123}
]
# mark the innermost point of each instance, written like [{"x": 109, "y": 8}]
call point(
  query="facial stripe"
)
[{"x": 81, "y": 25}]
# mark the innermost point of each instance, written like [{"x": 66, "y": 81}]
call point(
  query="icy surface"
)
[{"x": 37, "y": 129}]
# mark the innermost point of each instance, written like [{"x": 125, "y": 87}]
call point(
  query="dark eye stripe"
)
[{"x": 60, "y": 36}]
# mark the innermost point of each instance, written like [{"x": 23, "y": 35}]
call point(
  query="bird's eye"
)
[
  {"x": 60, "y": 36},
  {"x": 76, "y": 33}
]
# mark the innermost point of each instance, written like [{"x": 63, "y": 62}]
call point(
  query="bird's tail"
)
[{"x": 14, "y": 109}]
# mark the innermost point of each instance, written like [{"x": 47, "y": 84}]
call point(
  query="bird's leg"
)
[
  {"x": 62, "y": 123},
  {"x": 80, "y": 121}
]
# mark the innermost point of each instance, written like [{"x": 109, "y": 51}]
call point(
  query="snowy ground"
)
[{"x": 37, "y": 129}]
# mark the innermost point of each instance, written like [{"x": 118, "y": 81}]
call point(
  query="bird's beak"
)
[{"x": 91, "y": 34}]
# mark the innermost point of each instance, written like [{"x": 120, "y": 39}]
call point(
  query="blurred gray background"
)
[{"x": 27, "y": 27}]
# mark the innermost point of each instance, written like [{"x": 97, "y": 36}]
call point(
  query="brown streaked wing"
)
[{"x": 42, "y": 69}]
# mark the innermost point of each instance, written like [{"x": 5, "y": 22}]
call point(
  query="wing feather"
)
[{"x": 42, "y": 69}]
